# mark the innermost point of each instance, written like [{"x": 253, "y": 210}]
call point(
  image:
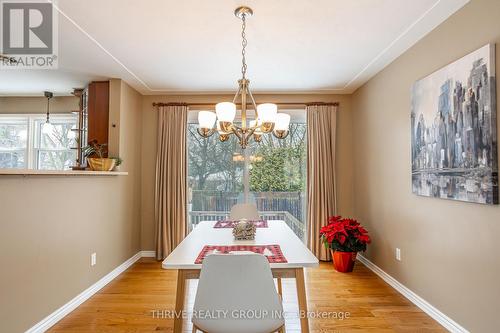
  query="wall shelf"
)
[{"x": 30, "y": 172}]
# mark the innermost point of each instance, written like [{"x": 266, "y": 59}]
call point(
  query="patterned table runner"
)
[
  {"x": 272, "y": 252},
  {"x": 231, "y": 224}
]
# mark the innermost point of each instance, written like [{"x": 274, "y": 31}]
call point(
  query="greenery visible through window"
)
[
  {"x": 23, "y": 145},
  {"x": 271, "y": 174},
  {"x": 279, "y": 165},
  {"x": 13, "y": 142}
]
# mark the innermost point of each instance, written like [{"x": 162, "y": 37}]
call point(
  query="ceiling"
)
[{"x": 193, "y": 46}]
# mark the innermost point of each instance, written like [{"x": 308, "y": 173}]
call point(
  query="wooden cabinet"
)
[{"x": 98, "y": 111}]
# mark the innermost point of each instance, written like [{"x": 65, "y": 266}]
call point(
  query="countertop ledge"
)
[{"x": 30, "y": 172}]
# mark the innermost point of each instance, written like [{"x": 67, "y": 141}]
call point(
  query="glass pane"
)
[
  {"x": 13, "y": 134},
  {"x": 56, "y": 160},
  {"x": 13, "y": 141},
  {"x": 214, "y": 176},
  {"x": 60, "y": 136},
  {"x": 53, "y": 149},
  {"x": 278, "y": 177},
  {"x": 271, "y": 173},
  {"x": 13, "y": 159}
]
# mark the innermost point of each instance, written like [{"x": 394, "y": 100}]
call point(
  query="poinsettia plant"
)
[{"x": 344, "y": 235}]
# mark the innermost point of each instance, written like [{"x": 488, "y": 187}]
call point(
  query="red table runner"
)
[
  {"x": 231, "y": 224},
  {"x": 272, "y": 252}
]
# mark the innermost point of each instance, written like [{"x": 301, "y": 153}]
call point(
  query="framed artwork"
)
[{"x": 454, "y": 131}]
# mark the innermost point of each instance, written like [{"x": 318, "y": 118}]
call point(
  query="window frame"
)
[
  {"x": 37, "y": 137},
  {"x": 33, "y": 134},
  {"x": 17, "y": 119},
  {"x": 298, "y": 116}
]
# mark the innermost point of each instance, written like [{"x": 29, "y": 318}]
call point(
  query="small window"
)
[
  {"x": 13, "y": 142},
  {"x": 23, "y": 145}
]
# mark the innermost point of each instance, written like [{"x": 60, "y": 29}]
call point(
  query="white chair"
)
[
  {"x": 249, "y": 212},
  {"x": 238, "y": 286},
  {"x": 244, "y": 211}
]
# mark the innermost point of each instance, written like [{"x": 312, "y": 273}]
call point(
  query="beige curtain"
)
[
  {"x": 170, "y": 189},
  {"x": 321, "y": 194}
]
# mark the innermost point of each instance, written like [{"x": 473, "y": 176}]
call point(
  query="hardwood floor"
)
[{"x": 127, "y": 303}]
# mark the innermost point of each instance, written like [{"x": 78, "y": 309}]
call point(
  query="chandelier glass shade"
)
[{"x": 267, "y": 119}]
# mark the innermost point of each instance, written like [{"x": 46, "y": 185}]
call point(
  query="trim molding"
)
[
  {"x": 64, "y": 310},
  {"x": 428, "y": 308},
  {"x": 67, "y": 308},
  {"x": 148, "y": 254},
  {"x": 430, "y": 19}
]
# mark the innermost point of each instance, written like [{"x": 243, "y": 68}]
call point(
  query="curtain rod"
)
[{"x": 213, "y": 104}]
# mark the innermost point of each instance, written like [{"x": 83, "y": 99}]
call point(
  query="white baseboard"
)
[
  {"x": 64, "y": 310},
  {"x": 428, "y": 308},
  {"x": 148, "y": 254}
]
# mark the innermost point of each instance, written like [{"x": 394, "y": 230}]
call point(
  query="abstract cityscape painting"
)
[{"x": 454, "y": 131}]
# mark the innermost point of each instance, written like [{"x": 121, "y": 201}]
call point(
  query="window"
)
[
  {"x": 271, "y": 174},
  {"x": 13, "y": 142},
  {"x": 23, "y": 145}
]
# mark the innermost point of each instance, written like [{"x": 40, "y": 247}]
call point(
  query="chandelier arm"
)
[
  {"x": 206, "y": 134},
  {"x": 250, "y": 132},
  {"x": 253, "y": 103},
  {"x": 237, "y": 93},
  {"x": 224, "y": 137},
  {"x": 236, "y": 128},
  {"x": 244, "y": 104},
  {"x": 237, "y": 133},
  {"x": 280, "y": 137}
]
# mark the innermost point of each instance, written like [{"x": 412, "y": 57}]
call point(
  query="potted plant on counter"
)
[
  {"x": 95, "y": 153},
  {"x": 118, "y": 162},
  {"x": 345, "y": 238}
]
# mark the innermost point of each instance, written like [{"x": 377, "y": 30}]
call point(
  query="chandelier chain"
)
[
  {"x": 254, "y": 129},
  {"x": 244, "y": 45}
]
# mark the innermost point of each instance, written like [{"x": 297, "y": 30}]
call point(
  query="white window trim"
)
[{"x": 32, "y": 148}]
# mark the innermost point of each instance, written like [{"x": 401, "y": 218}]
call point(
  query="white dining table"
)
[{"x": 298, "y": 257}]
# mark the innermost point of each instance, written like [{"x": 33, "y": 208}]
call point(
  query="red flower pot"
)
[{"x": 343, "y": 261}]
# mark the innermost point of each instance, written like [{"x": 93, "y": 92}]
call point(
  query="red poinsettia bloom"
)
[
  {"x": 326, "y": 229},
  {"x": 364, "y": 239},
  {"x": 362, "y": 230},
  {"x": 344, "y": 234},
  {"x": 341, "y": 238}
]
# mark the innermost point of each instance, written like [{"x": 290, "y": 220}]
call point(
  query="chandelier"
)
[{"x": 267, "y": 119}]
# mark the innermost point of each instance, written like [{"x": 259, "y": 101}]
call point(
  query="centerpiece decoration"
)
[
  {"x": 244, "y": 230},
  {"x": 344, "y": 237}
]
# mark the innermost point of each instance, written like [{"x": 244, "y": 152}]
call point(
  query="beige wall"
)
[
  {"x": 50, "y": 226},
  {"x": 62, "y": 104},
  {"x": 449, "y": 249},
  {"x": 149, "y": 124}
]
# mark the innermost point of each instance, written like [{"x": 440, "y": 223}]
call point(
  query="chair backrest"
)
[
  {"x": 244, "y": 211},
  {"x": 235, "y": 288}
]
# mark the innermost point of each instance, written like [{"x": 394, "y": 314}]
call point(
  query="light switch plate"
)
[{"x": 93, "y": 259}]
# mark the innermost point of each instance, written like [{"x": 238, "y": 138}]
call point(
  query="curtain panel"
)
[
  {"x": 321, "y": 192},
  {"x": 170, "y": 183}
]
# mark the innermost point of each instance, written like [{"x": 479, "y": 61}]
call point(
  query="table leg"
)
[
  {"x": 179, "y": 300},
  {"x": 301, "y": 296},
  {"x": 280, "y": 287}
]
